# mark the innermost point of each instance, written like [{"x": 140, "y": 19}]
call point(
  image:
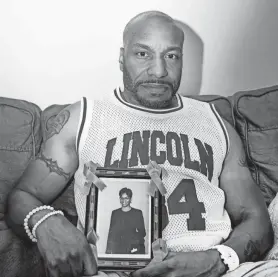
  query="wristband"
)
[
  {"x": 228, "y": 256},
  {"x": 26, "y": 220}
]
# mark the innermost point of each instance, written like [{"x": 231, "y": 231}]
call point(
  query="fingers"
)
[
  {"x": 76, "y": 267},
  {"x": 92, "y": 237},
  {"x": 89, "y": 262},
  {"x": 94, "y": 250},
  {"x": 71, "y": 266},
  {"x": 152, "y": 270},
  {"x": 52, "y": 272}
]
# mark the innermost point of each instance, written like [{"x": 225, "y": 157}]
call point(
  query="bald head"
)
[
  {"x": 153, "y": 18},
  {"x": 151, "y": 59}
]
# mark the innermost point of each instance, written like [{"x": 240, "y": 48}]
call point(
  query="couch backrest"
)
[
  {"x": 256, "y": 118},
  {"x": 20, "y": 139}
]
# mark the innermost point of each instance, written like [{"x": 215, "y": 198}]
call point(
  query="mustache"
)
[{"x": 154, "y": 81}]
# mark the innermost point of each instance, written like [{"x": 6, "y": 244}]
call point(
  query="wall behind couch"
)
[{"x": 55, "y": 51}]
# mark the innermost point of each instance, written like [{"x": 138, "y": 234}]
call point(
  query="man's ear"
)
[{"x": 121, "y": 58}]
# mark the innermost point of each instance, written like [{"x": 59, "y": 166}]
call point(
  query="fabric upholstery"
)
[
  {"x": 273, "y": 213},
  {"x": 20, "y": 140},
  {"x": 256, "y": 117}
]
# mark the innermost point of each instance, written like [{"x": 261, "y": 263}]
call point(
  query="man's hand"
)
[
  {"x": 65, "y": 250},
  {"x": 180, "y": 264}
]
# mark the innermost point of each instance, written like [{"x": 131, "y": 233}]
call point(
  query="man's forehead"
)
[{"x": 155, "y": 32}]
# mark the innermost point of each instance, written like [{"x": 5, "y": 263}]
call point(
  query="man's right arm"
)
[{"x": 48, "y": 174}]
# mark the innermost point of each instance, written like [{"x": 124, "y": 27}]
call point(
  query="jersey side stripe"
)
[
  {"x": 83, "y": 113},
  {"x": 222, "y": 126}
]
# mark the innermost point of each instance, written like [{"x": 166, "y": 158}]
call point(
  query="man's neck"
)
[{"x": 129, "y": 98}]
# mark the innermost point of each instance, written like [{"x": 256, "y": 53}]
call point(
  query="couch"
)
[{"x": 254, "y": 114}]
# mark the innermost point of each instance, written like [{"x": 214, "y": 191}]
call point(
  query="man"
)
[
  {"x": 127, "y": 228},
  {"x": 210, "y": 195}
]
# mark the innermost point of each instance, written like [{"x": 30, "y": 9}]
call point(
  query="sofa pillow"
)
[
  {"x": 20, "y": 139},
  {"x": 273, "y": 214},
  {"x": 256, "y": 120}
]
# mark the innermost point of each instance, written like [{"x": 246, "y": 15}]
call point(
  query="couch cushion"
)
[
  {"x": 273, "y": 214},
  {"x": 256, "y": 118},
  {"x": 20, "y": 139}
]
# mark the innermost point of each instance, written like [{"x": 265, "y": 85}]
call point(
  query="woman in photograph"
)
[{"x": 127, "y": 228}]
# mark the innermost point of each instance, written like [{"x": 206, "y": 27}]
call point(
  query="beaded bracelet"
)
[
  {"x": 26, "y": 220},
  {"x": 42, "y": 220}
]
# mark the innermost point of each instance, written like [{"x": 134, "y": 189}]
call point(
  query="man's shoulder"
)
[
  {"x": 72, "y": 111},
  {"x": 62, "y": 127},
  {"x": 235, "y": 148},
  {"x": 191, "y": 99}
]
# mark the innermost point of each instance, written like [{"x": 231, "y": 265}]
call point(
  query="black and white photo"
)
[
  {"x": 127, "y": 227},
  {"x": 123, "y": 218}
]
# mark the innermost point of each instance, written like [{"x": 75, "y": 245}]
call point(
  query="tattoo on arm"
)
[
  {"x": 53, "y": 166},
  {"x": 57, "y": 125},
  {"x": 252, "y": 251}
]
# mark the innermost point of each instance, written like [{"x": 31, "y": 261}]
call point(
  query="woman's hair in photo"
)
[{"x": 127, "y": 191}]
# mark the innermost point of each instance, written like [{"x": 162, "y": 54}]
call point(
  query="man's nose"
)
[{"x": 158, "y": 68}]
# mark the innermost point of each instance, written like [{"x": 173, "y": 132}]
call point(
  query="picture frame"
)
[{"x": 125, "y": 218}]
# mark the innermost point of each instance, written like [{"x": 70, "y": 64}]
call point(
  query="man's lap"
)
[{"x": 258, "y": 269}]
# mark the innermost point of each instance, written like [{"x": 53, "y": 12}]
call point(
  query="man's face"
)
[
  {"x": 125, "y": 200},
  {"x": 152, "y": 62}
]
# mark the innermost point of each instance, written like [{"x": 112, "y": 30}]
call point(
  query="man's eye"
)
[
  {"x": 172, "y": 56},
  {"x": 142, "y": 54}
]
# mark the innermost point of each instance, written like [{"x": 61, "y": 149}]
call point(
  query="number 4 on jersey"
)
[{"x": 192, "y": 206}]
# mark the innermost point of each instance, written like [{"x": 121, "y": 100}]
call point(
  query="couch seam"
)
[{"x": 247, "y": 141}]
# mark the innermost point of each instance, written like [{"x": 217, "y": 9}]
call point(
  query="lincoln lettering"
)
[{"x": 140, "y": 147}]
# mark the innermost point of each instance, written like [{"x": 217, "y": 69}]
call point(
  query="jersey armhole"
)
[
  {"x": 220, "y": 120},
  {"x": 82, "y": 119}
]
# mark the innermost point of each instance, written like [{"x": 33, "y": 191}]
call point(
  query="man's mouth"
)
[
  {"x": 155, "y": 85},
  {"x": 155, "y": 89}
]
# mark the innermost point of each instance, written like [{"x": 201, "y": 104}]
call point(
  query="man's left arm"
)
[{"x": 252, "y": 234}]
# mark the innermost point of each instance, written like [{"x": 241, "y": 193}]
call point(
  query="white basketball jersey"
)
[{"x": 189, "y": 141}]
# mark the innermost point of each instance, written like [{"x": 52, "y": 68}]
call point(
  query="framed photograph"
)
[{"x": 125, "y": 217}]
